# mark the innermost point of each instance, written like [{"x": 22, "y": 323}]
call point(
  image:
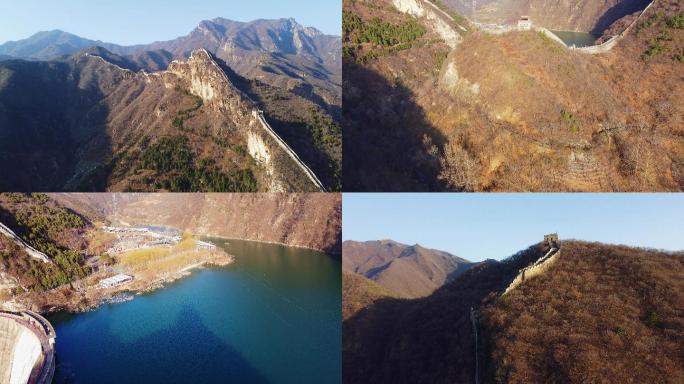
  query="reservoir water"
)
[
  {"x": 578, "y": 39},
  {"x": 273, "y": 316}
]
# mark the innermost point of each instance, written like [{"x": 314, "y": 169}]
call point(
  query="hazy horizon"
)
[
  {"x": 494, "y": 226},
  {"x": 155, "y": 20}
]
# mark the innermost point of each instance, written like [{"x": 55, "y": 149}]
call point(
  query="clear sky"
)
[
  {"x": 129, "y": 22},
  {"x": 483, "y": 226}
]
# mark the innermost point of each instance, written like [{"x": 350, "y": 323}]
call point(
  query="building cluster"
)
[{"x": 136, "y": 238}]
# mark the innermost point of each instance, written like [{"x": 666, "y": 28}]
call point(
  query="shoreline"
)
[
  {"x": 85, "y": 295},
  {"x": 274, "y": 243}
]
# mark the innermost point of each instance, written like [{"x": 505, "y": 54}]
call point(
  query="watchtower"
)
[
  {"x": 524, "y": 23},
  {"x": 552, "y": 240}
]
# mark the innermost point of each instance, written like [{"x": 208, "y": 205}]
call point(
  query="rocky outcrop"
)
[
  {"x": 205, "y": 78},
  {"x": 439, "y": 21}
]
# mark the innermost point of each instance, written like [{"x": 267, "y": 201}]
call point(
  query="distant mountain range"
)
[
  {"x": 78, "y": 114},
  {"x": 280, "y": 52},
  {"x": 405, "y": 270}
]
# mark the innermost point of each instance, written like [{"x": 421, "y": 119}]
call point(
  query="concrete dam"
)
[{"x": 27, "y": 354}]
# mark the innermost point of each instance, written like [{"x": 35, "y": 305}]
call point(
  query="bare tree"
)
[{"x": 459, "y": 170}]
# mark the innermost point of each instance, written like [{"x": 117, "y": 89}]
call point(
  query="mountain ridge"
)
[{"x": 405, "y": 270}]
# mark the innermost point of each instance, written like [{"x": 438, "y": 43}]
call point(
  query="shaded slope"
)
[{"x": 427, "y": 340}]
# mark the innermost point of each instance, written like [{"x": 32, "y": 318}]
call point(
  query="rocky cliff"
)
[{"x": 98, "y": 125}]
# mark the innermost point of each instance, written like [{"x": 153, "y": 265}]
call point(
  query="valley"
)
[
  {"x": 89, "y": 238},
  {"x": 488, "y": 105},
  {"x": 184, "y": 115}
]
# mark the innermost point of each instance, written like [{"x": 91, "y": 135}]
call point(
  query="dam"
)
[{"x": 27, "y": 354}]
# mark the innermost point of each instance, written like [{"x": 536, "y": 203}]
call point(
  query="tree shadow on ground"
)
[{"x": 383, "y": 135}]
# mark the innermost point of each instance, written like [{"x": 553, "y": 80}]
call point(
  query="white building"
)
[
  {"x": 205, "y": 245},
  {"x": 525, "y": 23},
  {"x": 115, "y": 281}
]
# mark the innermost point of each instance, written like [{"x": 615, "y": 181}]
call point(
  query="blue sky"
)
[
  {"x": 129, "y": 22},
  {"x": 482, "y": 226}
]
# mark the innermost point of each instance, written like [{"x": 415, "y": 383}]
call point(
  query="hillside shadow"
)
[
  {"x": 431, "y": 339},
  {"x": 46, "y": 119},
  {"x": 383, "y": 131},
  {"x": 617, "y": 12},
  {"x": 297, "y": 135},
  {"x": 188, "y": 352}
]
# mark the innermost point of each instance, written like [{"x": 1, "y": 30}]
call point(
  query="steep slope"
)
[
  {"x": 601, "y": 311},
  {"x": 580, "y": 320},
  {"x": 88, "y": 123},
  {"x": 50, "y": 228},
  {"x": 358, "y": 293},
  {"x": 304, "y": 220},
  {"x": 407, "y": 271},
  {"x": 517, "y": 111}
]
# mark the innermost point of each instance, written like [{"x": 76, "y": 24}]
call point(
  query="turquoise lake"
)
[
  {"x": 578, "y": 39},
  {"x": 273, "y": 316}
]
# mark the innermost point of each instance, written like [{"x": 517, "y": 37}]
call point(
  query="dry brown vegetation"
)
[
  {"x": 601, "y": 312},
  {"x": 519, "y": 112},
  {"x": 358, "y": 293}
]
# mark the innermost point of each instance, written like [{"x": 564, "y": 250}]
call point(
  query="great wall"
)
[
  {"x": 539, "y": 266},
  {"x": 34, "y": 253},
  {"x": 259, "y": 115},
  {"x": 427, "y": 9},
  {"x": 27, "y": 353}
]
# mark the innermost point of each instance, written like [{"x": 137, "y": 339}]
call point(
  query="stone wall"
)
[
  {"x": 439, "y": 21},
  {"x": 497, "y": 29},
  {"x": 535, "y": 269},
  {"x": 284, "y": 171}
]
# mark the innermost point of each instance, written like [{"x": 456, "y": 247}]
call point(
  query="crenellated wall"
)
[
  {"x": 284, "y": 170},
  {"x": 540, "y": 266}
]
